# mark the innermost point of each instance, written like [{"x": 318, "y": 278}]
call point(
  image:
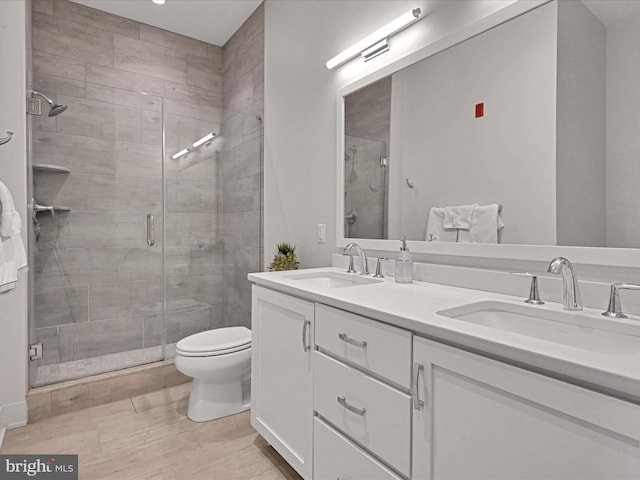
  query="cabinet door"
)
[
  {"x": 281, "y": 375},
  {"x": 484, "y": 419}
]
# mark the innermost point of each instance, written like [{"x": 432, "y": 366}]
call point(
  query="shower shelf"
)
[
  {"x": 43, "y": 167},
  {"x": 50, "y": 208}
]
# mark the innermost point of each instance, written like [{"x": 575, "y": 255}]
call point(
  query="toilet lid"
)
[{"x": 217, "y": 341}]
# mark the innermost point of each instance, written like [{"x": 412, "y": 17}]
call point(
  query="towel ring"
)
[{"x": 6, "y": 139}]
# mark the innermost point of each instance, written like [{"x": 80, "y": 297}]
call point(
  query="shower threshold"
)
[{"x": 86, "y": 367}]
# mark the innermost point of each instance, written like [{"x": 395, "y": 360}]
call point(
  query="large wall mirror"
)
[{"x": 536, "y": 118}]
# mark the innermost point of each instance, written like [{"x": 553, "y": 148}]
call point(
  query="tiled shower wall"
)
[
  {"x": 242, "y": 169},
  {"x": 98, "y": 285}
]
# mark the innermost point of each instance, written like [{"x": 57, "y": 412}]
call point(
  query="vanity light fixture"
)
[
  {"x": 376, "y": 43},
  {"x": 181, "y": 153},
  {"x": 206, "y": 139},
  {"x": 375, "y": 50},
  {"x": 158, "y": 2}
]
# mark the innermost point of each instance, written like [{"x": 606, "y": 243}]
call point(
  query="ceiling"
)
[
  {"x": 611, "y": 12},
  {"x": 212, "y": 21},
  {"x": 215, "y": 21}
]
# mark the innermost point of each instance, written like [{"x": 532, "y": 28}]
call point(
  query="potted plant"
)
[{"x": 285, "y": 258}]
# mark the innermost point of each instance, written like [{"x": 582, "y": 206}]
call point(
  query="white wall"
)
[
  {"x": 580, "y": 189},
  {"x": 623, "y": 141},
  {"x": 13, "y": 172},
  {"x": 507, "y": 156},
  {"x": 301, "y": 98}
]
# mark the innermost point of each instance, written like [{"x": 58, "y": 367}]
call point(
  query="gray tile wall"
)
[
  {"x": 98, "y": 285},
  {"x": 242, "y": 165}
]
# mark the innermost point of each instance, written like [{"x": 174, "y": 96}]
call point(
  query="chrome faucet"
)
[
  {"x": 570, "y": 288},
  {"x": 615, "y": 309},
  {"x": 363, "y": 257}
]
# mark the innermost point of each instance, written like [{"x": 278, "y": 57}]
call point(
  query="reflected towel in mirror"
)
[
  {"x": 435, "y": 227},
  {"x": 486, "y": 222},
  {"x": 458, "y": 217}
]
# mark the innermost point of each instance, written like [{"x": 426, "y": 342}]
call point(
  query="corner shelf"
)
[{"x": 43, "y": 167}]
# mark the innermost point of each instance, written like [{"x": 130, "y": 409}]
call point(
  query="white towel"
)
[
  {"x": 458, "y": 217},
  {"x": 485, "y": 224},
  {"x": 10, "y": 223},
  {"x": 12, "y": 254},
  {"x": 435, "y": 227}
]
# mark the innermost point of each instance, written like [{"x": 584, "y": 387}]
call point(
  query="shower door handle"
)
[{"x": 151, "y": 233}]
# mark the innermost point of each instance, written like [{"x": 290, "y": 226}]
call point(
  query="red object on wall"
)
[{"x": 479, "y": 110}]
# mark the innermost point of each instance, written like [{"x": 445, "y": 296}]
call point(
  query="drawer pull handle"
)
[
  {"x": 305, "y": 345},
  {"x": 358, "y": 411},
  {"x": 417, "y": 403},
  {"x": 345, "y": 338}
]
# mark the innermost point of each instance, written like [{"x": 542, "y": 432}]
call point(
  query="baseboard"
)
[{"x": 14, "y": 415}]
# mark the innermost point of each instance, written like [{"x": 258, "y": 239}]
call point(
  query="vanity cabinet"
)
[
  {"x": 342, "y": 396},
  {"x": 478, "y": 418},
  {"x": 361, "y": 381},
  {"x": 281, "y": 375}
]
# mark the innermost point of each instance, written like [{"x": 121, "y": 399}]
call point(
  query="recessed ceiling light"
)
[{"x": 158, "y": 2}]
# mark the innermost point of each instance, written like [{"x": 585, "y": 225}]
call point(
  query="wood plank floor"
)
[{"x": 149, "y": 437}]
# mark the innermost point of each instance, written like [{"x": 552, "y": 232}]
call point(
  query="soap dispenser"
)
[{"x": 404, "y": 264}]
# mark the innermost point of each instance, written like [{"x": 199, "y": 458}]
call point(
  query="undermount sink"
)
[
  {"x": 573, "y": 329},
  {"x": 331, "y": 279}
]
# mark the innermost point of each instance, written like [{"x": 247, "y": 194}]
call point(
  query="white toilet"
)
[{"x": 220, "y": 363}]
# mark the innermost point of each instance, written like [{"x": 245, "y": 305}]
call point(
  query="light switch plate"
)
[{"x": 322, "y": 233}]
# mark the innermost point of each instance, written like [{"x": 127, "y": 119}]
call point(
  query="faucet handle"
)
[
  {"x": 534, "y": 295},
  {"x": 615, "y": 309},
  {"x": 350, "y": 268},
  {"x": 378, "y": 273}
]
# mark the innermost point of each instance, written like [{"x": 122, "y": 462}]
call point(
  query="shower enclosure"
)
[
  {"x": 146, "y": 197},
  {"x": 134, "y": 248},
  {"x": 366, "y": 188}
]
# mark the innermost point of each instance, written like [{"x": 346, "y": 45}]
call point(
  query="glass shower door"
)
[
  {"x": 213, "y": 215},
  {"x": 98, "y": 276}
]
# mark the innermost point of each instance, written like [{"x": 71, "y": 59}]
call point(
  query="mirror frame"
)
[{"x": 618, "y": 257}]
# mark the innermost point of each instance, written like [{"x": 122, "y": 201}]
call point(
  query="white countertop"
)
[{"x": 415, "y": 306}]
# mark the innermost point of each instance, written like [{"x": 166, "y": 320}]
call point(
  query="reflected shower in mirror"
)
[
  {"x": 366, "y": 185},
  {"x": 501, "y": 118}
]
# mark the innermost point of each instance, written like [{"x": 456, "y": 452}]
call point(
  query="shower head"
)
[{"x": 55, "y": 108}]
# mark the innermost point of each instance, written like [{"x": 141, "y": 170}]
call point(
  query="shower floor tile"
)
[{"x": 149, "y": 437}]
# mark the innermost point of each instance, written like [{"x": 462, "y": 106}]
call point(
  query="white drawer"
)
[
  {"x": 334, "y": 456},
  {"x": 366, "y": 410},
  {"x": 387, "y": 352}
]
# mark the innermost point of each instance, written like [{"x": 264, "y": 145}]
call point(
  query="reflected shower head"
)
[{"x": 55, "y": 108}]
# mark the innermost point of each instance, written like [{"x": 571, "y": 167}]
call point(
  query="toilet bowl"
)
[{"x": 220, "y": 363}]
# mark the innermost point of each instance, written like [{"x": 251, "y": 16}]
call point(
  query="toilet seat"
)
[{"x": 220, "y": 341}]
